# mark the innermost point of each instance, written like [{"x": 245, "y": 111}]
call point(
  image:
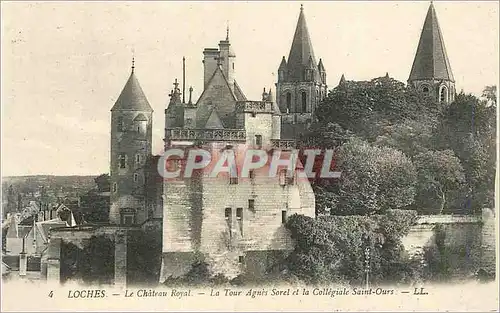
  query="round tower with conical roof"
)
[{"x": 131, "y": 142}]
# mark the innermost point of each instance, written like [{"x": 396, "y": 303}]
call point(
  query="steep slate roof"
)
[
  {"x": 240, "y": 96},
  {"x": 44, "y": 227},
  {"x": 213, "y": 121},
  {"x": 132, "y": 97},
  {"x": 204, "y": 110},
  {"x": 300, "y": 52},
  {"x": 431, "y": 60}
]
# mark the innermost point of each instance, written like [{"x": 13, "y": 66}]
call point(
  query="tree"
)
[
  {"x": 367, "y": 107},
  {"x": 490, "y": 93},
  {"x": 372, "y": 180},
  {"x": 410, "y": 136},
  {"x": 103, "y": 183},
  {"x": 438, "y": 174},
  {"x": 468, "y": 127},
  {"x": 331, "y": 248},
  {"x": 324, "y": 136}
]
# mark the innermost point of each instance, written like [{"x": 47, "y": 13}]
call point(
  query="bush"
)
[
  {"x": 199, "y": 274},
  {"x": 332, "y": 248}
]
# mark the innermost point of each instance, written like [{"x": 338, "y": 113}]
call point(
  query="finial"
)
[
  {"x": 301, "y": 7},
  {"x": 133, "y": 59},
  {"x": 183, "y": 79},
  {"x": 190, "y": 94},
  {"x": 227, "y": 30},
  {"x": 176, "y": 85}
]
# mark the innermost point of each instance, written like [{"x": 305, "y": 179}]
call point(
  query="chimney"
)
[
  {"x": 227, "y": 59},
  {"x": 23, "y": 260},
  {"x": 210, "y": 61}
]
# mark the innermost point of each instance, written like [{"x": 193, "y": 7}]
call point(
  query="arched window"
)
[
  {"x": 304, "y": 101},
  {"x": 288, "y": 102},
  {"x": 425, "y": 89},
  {"x": 443, "y": 94}
]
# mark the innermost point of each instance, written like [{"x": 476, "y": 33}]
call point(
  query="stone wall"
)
[
  {"x": 79, "y": 236},
  {"x": 223, "y": 220},
  {"x": 488, "y": 243},
  {"x": 131, "y": 143},
  {"x": 469, "y": 240}
]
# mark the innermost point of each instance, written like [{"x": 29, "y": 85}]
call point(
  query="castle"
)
[{"x": 234, "y": 224}]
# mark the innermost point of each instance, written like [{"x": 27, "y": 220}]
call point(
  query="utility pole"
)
[{"x": 367, "y": 266}]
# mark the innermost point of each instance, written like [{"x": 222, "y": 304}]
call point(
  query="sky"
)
[{"x": 64, "y": 64}]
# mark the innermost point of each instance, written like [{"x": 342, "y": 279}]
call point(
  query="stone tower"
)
[
  {"x": 301, "y": 83},
  {"x": 131, "y": 137},
  {"x": 431, "y": 70}
]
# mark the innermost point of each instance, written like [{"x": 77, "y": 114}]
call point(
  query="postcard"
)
[{"x": 249, "y": 156}]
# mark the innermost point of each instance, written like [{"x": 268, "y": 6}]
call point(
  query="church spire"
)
[
  {"x": 431, "y": 60},
  {"x": 301, "y": 50}
]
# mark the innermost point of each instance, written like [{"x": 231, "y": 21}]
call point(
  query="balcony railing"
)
[
  {"x": 207, "y": 134},
  {"x": 283, "y": 144},
  {"x": 254, "y": 106}
]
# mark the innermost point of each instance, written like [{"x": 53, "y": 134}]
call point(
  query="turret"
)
[
  {"x": 131, "y": 140},
  {"x": 282, "y": 70},
  {"x": 322, "y": 71},
  {"x": 174, "y": 113}
]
